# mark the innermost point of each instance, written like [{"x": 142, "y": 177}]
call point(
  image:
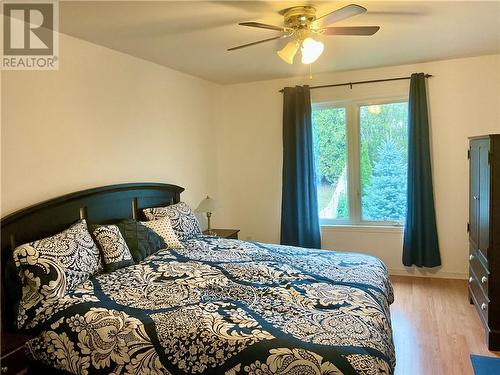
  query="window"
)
[{"x": 361, "y": 162}]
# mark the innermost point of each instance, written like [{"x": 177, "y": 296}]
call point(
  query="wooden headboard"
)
[{"x": 100, "y": 205}]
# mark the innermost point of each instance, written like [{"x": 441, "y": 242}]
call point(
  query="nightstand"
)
[
  {"x": 225, "y": 233},
  {"x": 13, "y": 359}
]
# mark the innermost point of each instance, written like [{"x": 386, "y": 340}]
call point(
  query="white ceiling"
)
[{"x": 192, "y": 36}]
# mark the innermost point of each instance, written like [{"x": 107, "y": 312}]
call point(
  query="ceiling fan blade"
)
[
  {"x": 352, "y": 30},
  {"x": 258, "y": 42},
  {"x": 342, "y": 13},
  {"x": 262, "y": 26}
]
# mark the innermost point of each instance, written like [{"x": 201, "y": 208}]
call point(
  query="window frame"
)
[{"x": 352, "y": 110}]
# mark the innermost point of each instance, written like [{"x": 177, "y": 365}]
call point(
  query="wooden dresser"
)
[{"x": 484, "y": 233}]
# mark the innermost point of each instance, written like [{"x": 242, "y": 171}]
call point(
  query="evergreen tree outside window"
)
[{"x": 361, "y": 153}]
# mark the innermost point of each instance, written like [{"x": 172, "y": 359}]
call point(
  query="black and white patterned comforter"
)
[{"x": 225, "y": 307}]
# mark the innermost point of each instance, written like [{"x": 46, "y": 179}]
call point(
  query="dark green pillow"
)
[{"x": 141, "y": 240}]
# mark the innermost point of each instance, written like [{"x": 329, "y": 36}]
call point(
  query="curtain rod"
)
[{"x": 362, "y": 82}]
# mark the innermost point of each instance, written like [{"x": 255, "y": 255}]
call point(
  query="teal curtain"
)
[
  {"x": 299, "y": 205},
  {"x": 420, "y": 244}
]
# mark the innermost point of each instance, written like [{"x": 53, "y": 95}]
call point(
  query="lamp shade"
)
[
  {"x": 311, "y": 50},
  {"x": 207, "y": 205},
  {"x": 289, "y": 51}
]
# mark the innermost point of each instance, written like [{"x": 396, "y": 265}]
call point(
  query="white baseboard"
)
[{"x": 429, "y": 273}]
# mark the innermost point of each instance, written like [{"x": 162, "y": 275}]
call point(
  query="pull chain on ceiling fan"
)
[{"x": 301, "y": 24}]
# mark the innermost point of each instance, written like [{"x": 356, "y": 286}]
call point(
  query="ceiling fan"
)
[{"x": 302, "y": 25}]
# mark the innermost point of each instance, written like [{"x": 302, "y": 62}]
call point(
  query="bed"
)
[{"x": 217, "y": 306}]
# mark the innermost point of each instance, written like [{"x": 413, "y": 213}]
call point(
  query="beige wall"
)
[
  {"x": 103, "y": 118},
  {"x": 106, "y": 117},
  {"x": 464, "y": 100}
]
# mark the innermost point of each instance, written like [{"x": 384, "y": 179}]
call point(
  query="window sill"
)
[{"x": 362, "y": 228}]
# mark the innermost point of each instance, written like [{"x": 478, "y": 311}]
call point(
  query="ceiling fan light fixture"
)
[
  {"x": 288, "y": 52},
  {"x": 311, "y": 50},
  {"x": 301, "y": 24}
]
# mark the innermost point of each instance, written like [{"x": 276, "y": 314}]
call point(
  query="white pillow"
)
[
  {"x": 181, "y": 217},
  {"x": 164, "y": 229}
]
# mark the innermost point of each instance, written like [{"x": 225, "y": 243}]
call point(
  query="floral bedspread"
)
[{"x": 224, "y": 306}]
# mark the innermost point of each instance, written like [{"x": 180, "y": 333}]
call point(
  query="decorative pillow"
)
[
  {"x": 181, "y": 218},
  {"x": 51, "y": 267},
  {"x": 164, "y": 229},
  {"x": 115, "y": 251},
  {"x": 141, "y": 240}
]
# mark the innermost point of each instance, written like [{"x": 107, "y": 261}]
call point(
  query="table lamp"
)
[{"x": 208, "y": 205}]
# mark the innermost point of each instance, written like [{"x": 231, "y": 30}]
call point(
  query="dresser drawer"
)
[
  {"x": 479, "y": 271},
  {"x": 480, "y": 299},
  {"x": 15, "y": 362}
]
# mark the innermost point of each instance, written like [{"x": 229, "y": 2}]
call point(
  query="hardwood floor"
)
[{"x": 435, "y": 328}]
